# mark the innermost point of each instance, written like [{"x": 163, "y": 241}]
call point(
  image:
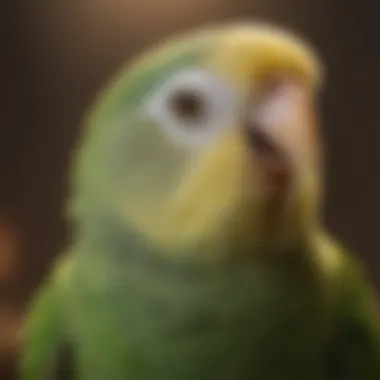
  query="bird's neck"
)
[
  {"x": 291, "y": 219},
  {"x": 282, "y": 226}
]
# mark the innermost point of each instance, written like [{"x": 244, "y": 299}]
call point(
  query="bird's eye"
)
[
  {"x": 189, "y": 107},
  {"x": 192, "y": 106}
]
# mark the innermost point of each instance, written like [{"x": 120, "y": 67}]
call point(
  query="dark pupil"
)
[{"x": 188, "y": 106}]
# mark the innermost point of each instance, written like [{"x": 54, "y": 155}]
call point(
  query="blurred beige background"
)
[{"x": 57, "y": 54}]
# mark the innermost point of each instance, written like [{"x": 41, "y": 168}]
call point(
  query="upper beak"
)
[
  {"x": 280, "y": 132},
  {"x": 280, "y": 123}
]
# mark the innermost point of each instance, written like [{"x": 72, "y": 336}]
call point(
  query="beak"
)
[{"x": 280, "y": 130}]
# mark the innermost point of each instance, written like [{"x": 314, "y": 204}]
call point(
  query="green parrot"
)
[{"x": 197, "y": 251}]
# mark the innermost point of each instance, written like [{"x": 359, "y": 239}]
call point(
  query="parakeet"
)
[{"x": 197, "y": 249}]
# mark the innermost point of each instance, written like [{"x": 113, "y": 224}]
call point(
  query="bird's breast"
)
[{"x": 246, "y": 319}]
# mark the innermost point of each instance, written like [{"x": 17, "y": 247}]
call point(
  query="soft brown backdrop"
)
[{"x": 56, "y": 54}]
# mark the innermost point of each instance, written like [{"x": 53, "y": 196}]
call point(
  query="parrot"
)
[{"x": 197, "y": 250}]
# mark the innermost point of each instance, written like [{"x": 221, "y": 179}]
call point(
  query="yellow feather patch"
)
[
  {"x": 329, "y": 254},
  {"x": 213, "y": 189}
]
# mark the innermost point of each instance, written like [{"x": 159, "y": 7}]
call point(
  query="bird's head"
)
[{"x": 209, "y": 140}]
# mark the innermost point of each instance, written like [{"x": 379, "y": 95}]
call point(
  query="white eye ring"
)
[{"x": 193, "y": 106}]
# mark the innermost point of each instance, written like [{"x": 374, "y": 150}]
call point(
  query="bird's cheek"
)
[
  {"x": 217, "y": 179},
  {"x": 219, "y": 170}
]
